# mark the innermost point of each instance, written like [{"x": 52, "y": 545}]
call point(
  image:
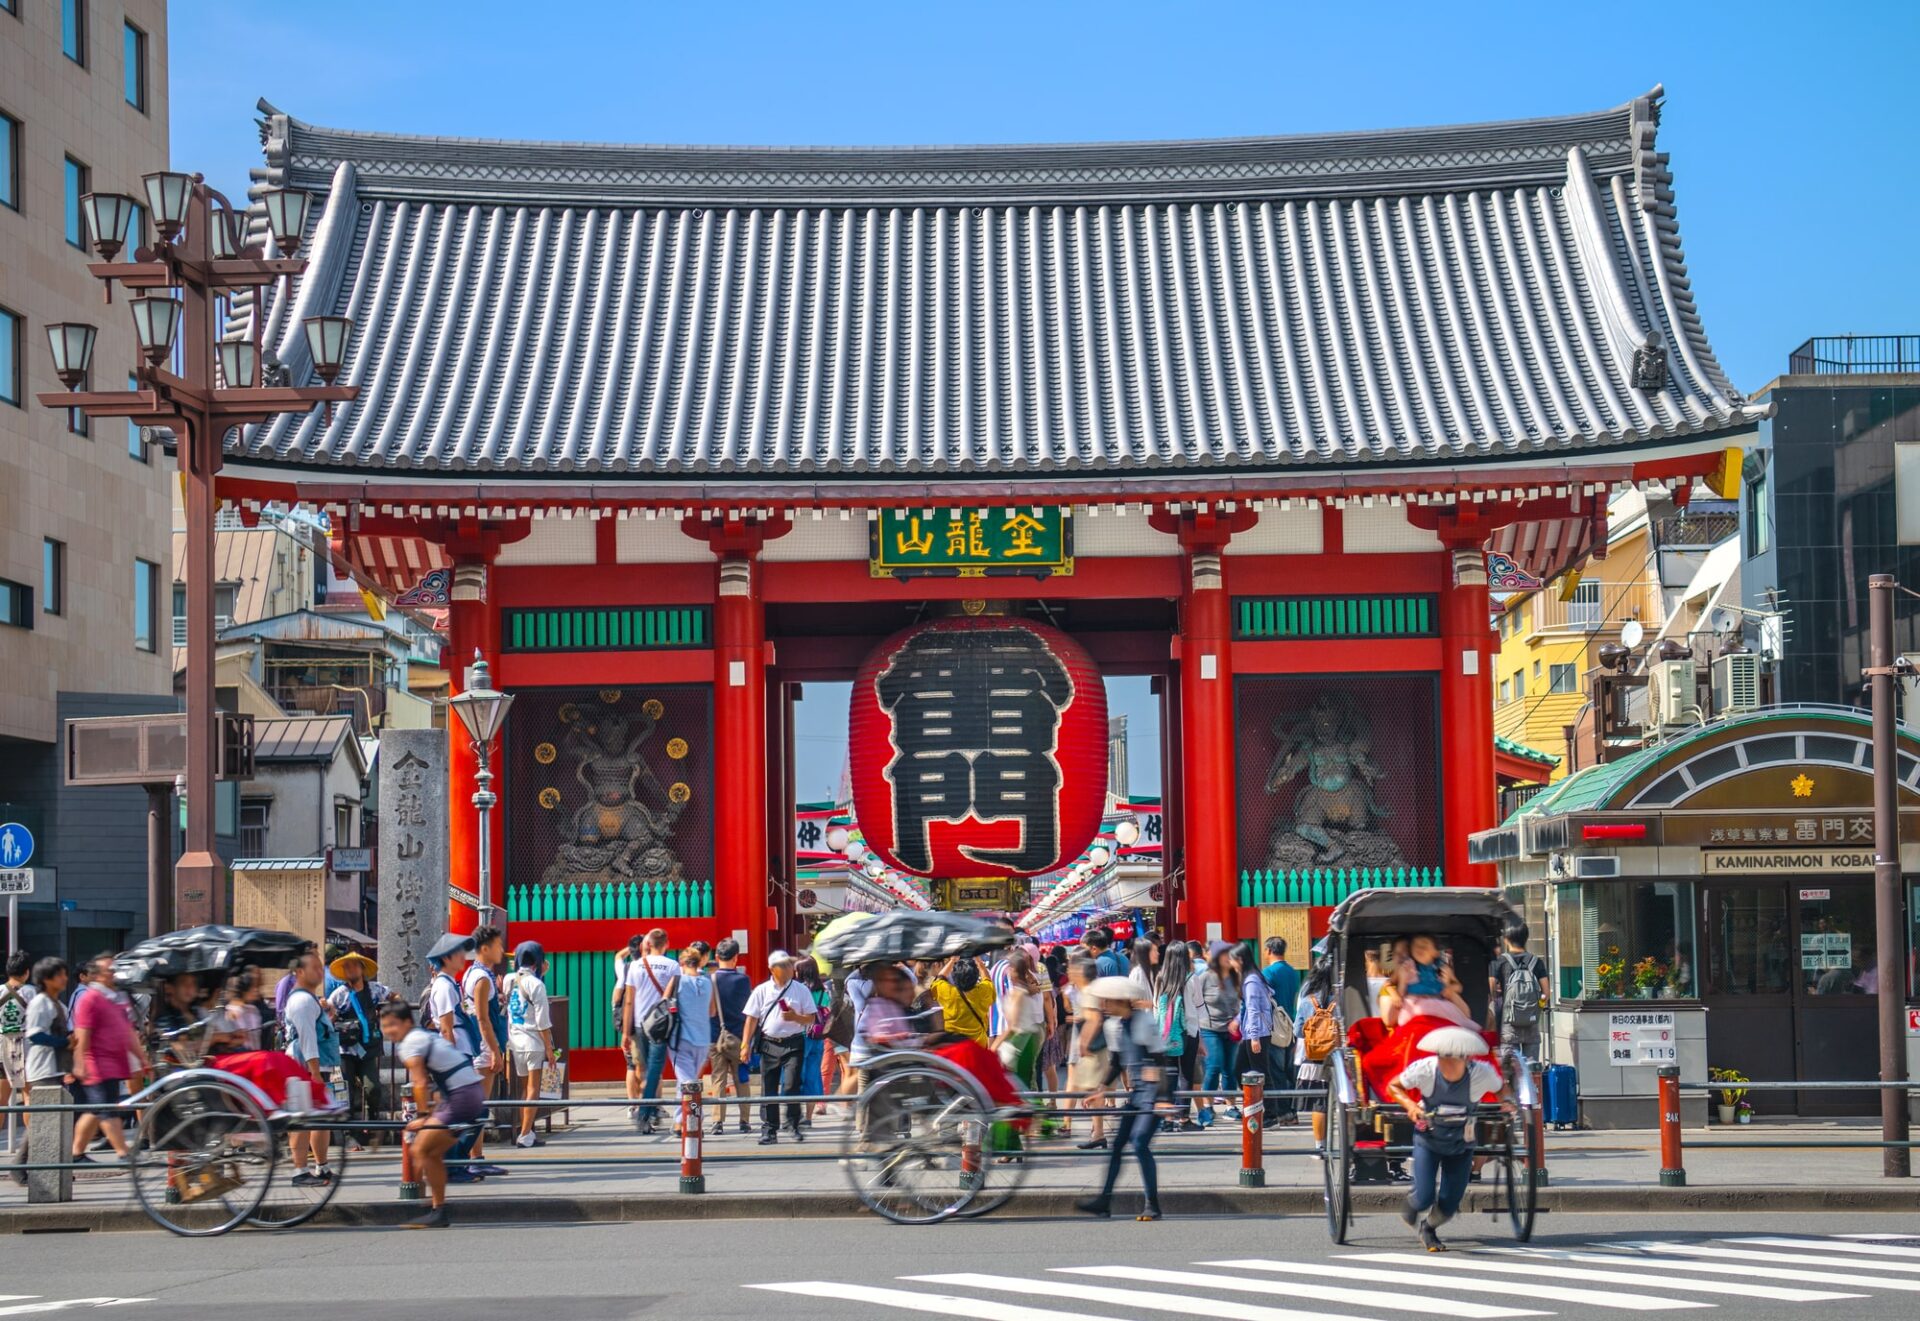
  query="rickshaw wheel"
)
[
  {"x": 1336, "y": 1165},
  {"x": 1000, "y": 1182},
  {"x": 202, "y": 1158},
  {"x": 285, "y": 1205},
  {"x": 926, "y": 1154},
  {"x": 1520, "y": 1171}
]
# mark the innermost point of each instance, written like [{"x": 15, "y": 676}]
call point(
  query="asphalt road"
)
[{"x": 1752, "y": 1267}]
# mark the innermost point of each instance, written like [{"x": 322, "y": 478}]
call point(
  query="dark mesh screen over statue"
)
[
  {"x": 609, "y": 785},
  {"x": 1337, "y": 771}
]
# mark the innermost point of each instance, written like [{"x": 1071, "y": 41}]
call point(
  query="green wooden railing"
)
[
  {"x": 1323, "y": 887},
  {"x": 585, "y": 977},
  {"x": 1270, "y": 618},
  {"x": 617, "y": 628},
  {"x": 609, "y": 901}
]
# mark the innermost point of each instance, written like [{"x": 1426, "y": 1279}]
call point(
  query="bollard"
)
[
  {"x": 1673, "y": 1173},
  {"x": 1253, "y": 1106},
  {"x": 410, "y": 1190},
  {"x": 691, "y": 1179},
  {"x": 1538, "y": 1139}
]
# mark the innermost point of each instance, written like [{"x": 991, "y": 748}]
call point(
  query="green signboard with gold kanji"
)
[{"x": 972, "y": 543}]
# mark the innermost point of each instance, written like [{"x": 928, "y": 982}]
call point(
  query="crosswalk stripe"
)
[
  {"x": 1905, "y": 1238},
  {"x": 906, "y": 1300},
  {"x": 1762, "y": 1270},
  {"x": 62, "y": 1304},
  {"x": 1151, "y": 1300},
  {"x": 1475, "y": 1262},
  {"x": 1829, "y": 1245},
  {"x": 1629, "y": 1302},
  {"x": 1393, "y": 1300},
  {"x": 1753, "y": 1271}
]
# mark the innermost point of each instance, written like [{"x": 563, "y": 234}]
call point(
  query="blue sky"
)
[{"x": 1791, "y": 127}]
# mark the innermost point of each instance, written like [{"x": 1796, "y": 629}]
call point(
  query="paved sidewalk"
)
[{"x": 648, "y": 1167}]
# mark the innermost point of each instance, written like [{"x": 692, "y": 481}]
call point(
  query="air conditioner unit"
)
[
  {"x": 1672, "y": 689},
  {"x": 1600, "y": 868},
  {"x": 1736, "y": 684}
]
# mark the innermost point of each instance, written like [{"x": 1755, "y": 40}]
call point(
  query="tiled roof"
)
[
  {"x": 1514, "y": 747},
  {"x": 1413, "y": 297}
]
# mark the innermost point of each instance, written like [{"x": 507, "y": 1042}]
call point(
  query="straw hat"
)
[
  {"x": 1459, "y": 1042},
  {"x": 368, "y": 968},
  {"x": 1122, "y": 989}
]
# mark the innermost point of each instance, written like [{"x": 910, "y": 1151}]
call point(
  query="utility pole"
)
[{"x": 1889, "y": 960}]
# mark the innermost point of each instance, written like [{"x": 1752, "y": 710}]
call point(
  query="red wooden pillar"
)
[
  {"x": 473, "y": 623},
  {"x": 1206, "y": 760},
  {"x": 1468, "y": 791},
  {"x": 740, "y": 754}
]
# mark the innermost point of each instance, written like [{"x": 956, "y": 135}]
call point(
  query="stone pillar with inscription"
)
[{"x": 413, "y": 854}]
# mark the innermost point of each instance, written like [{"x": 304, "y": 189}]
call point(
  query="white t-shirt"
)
[
  {"x": 452, "y": 1065},
  {"x": 1421, "y": 1076},
  {"x": 474, "y": 994},
  {"x": 43, "y": 1062},
  {"x": 760, "y": 1005},
  {"x": 443, "y": 1000},
  {"x": 642, "y": 973},
  {"x": 528, "y": 1011},
  {"x": 304, "y": 1011}
]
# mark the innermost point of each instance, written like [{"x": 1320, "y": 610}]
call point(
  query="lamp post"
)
[
  {"x": 483, "y": 710},
  {"x": 188, "y": 384}
]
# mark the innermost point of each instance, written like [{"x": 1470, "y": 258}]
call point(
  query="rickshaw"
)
[
  {"x": 210, "y": 1135},
  {"x": 1468, "y": 925},
  {"x": 922, "y": 1147}
]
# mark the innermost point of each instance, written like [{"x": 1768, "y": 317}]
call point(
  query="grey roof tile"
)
[{"x": 1424, "y": 295}]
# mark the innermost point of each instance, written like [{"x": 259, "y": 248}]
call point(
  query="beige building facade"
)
[{"x": 85, "y": 562}]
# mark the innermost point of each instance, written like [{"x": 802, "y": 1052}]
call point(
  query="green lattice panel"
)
[
  {"x": 586, "y": 979},
  {"x": 1281, "y": 618},
  {"x": 612, "y": 628}
]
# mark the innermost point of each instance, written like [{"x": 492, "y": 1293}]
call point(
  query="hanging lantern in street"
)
[{"x": 979, "y": 748}]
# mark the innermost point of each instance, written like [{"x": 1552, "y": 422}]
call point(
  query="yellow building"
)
[{"x": 1548, "y": 644}]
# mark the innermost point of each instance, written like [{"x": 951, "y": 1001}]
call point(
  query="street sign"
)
[
  {"x": 16, "y": 881},
  {"x": 351, "y": 860},
  {"x": 16, "y": 845}
]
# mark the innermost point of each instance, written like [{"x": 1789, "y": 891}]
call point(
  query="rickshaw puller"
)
[{"x": 1448, "y": 1082}]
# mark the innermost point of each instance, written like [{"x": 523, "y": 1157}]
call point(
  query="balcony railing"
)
[{"x": 1843, "y": 355}]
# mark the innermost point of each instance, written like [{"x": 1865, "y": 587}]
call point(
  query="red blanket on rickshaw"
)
[
  {"x": 269, "y": 1070},
  {"x": 984, "y": 1067},
  {"x": 1384, "y": 1054}
]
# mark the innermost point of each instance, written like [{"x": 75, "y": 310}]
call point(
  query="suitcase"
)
[{"x": 1561, "y": 1102}]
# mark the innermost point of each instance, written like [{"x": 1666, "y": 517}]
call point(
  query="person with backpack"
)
[
  {"x": 731, "y": 987},
  {"x": 446, "y": 1013},
  {"x": 529, "y": 1031},
  {"x": 778, "y": 1014},
  {"x": 314, "y": 1042},
  {"x": 1519, "y": 979},
  {"x": 1317, "y": 1037},
  {"x": 434, "y": 1064},
  {"x": 649, "y": 979},
  {"x": 1178, "y": 1046},
  {"x": 15, "y": 992},
  {"x": 807, "y": 973}
]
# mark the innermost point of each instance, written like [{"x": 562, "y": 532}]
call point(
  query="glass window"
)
[
  {"x": 1837, "y": 955},
  {"x": 1536, "y": 671},
  {"x": 73, "y": 30},
  {"x": 10, "y": 383},
  {"x": 1564, "y": 679},
  {"x": 1759, "y": 516},
  {"x": 136, "y": 443},
  {"x": 53, "y": 576},
  {"x": 16, "y": 604},
  {"x": 79, "y": 184},
  {"x": 1519, "y": 685},
  {"x": 1506, "y": 691},
  {"x": 134, "y": 75},
  {"x": 9, "y": 161},
  {"x": 179, "y": 614},
  {"x": 1747, "y": 935},
  {"x": 1635, "y": 940},
  {"x": 146, "y": 604},
  {"x": 78, "y": 423}
]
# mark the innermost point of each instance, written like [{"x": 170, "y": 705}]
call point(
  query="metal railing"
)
[
  {"x": 1842, "y": 355},
  {"x": 1673, "y": 1170}
]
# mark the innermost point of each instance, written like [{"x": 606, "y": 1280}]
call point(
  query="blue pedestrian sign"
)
[{"x": 16, "y": 845}]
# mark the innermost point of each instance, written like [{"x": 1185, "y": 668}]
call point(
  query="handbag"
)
[
  {"x": 1282, "y": 1034},
  {"x": 660, "y": 1021}
]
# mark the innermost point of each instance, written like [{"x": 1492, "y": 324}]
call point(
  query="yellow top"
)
[{"x": 967, "y": 1015}]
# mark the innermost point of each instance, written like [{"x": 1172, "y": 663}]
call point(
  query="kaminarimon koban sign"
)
[{"x": 979, "y": 748}]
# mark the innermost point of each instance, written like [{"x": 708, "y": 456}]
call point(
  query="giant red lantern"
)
[{"x": 979, "y": 748}]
